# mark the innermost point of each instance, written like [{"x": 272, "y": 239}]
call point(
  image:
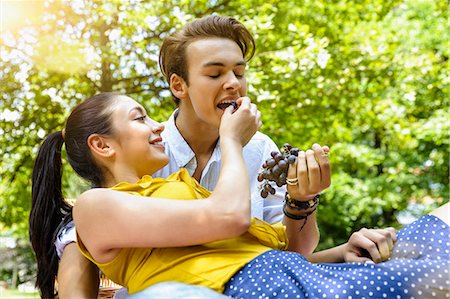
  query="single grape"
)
[
  {"x": 276, "y": 170},
  {"x": 260, "y": 177},
  {"x": 273, "y": 154},
  {"x": 271, "y": 163},
  {"x": 264, "y": 193},
  {"x": 283, "y": 165},
  {"x": 267, "y": 187},
  {"x": 278, "y": 157},
  {"x": 272, "y": 190},
  {"x": 291, "y": 159}
]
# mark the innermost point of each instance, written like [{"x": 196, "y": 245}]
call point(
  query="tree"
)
[{"x": 368, "y": 78}]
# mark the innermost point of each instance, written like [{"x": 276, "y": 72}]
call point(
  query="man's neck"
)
[{"x": 200, "y": 137}]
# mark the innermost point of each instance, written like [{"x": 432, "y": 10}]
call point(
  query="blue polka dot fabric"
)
[{"x": 418, "y": 268}]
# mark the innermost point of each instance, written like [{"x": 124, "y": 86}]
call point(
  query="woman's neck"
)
[{"x": 120, "y": 176}]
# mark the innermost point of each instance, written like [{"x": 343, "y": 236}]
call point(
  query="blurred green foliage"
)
[{"x": 368, "y": 78}]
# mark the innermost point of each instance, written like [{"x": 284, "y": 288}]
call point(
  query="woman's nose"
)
[{"x": 157, "y": 128}]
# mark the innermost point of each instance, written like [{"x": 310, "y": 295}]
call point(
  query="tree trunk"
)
[{"x": 105, "y": 80}]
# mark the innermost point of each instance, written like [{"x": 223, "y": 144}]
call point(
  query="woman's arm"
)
[
  {"x": 77, "y": 276},
  {"x": 108, "y": 220}
]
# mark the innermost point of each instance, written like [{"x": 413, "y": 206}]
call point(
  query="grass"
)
[{"x": 15, "y": 294}]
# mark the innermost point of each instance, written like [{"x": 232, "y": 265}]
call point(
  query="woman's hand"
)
[
  {"x": 242, "y": 124},
  {"x": 370, "y": 245},
  {"x": 313, "y": 171}
]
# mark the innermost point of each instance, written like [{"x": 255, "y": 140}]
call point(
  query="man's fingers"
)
[
  {"x": 363, "y": 243},
  {"x": 313, "y": 172},
  {"x": 353, "y": 257},
  {"x": 380, "y": 239},
  {"x": 302, "y": 174},
  {"x": 324, "y": 163},
  {"x": 388, "y": 237}
]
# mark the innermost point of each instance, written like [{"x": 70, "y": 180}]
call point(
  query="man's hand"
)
[
  {"x": 313, "y": 171},
  {"x": 370, "y": 245}
]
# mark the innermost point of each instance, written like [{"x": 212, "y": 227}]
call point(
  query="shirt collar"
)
[{"x": 180, "y": 149}]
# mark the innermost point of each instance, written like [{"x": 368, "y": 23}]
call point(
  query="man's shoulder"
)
[
  {"x": 260, "y": 145},
  {"x": 261, "y": 139}
]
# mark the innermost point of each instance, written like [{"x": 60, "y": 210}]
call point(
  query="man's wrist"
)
[{"x": 301, "y": 205}]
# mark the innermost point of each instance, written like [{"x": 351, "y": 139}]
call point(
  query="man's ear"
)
[
  {"x": 100, "y": 146},
  {"x": 178, "y": 86}
]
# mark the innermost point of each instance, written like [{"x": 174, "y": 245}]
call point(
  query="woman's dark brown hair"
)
[
  {"x": 49, "y": 211},
  {"x": 172, "y": 56}
]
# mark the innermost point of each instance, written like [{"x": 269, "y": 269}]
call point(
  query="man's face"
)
[{"x": 216, "y": 69}]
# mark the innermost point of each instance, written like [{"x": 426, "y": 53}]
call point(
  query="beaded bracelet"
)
[{"x": 301, "y": 205}]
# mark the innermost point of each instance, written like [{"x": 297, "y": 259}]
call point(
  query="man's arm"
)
[
  {"x": 302, "y": 239},
  {"x": 77, "y": 276},
  {"x": 365, "y": 245}
]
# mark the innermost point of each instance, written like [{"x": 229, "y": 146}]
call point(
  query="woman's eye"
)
[
  {"x": 214, "y": 76},
  {"x": 141, "y": 118},
  {"x": 239, "y": 76}
]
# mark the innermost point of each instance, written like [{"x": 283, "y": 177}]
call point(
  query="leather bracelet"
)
[
  {"x": 301, "y": 205},
  {"x": 298, "y": 217}
]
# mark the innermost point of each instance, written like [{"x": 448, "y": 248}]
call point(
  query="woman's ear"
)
[
  {"x": 100, "y": 146},
  {"x": 178, "y": 86}
]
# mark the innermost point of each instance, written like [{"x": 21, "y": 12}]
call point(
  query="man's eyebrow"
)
[{"x": 213, "y": 63}]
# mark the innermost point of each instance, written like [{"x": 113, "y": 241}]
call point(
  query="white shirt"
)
[{"x": 256, "y": 152}]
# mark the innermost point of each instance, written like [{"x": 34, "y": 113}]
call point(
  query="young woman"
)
[{"x": 141, "y": 230}]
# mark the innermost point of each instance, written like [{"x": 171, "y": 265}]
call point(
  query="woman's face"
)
[{"x": 137, "y": 142}]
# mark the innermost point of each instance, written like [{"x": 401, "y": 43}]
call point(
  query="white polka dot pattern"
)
[{"x": 419, "y": 268}]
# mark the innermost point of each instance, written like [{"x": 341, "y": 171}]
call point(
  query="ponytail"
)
[{"x": 48, "y": 209}]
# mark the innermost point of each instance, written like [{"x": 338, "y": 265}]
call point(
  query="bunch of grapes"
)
[{"x": 275, "y": 169}]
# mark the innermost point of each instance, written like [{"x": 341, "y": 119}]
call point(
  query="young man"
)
[{"x": 204, "y": 64}]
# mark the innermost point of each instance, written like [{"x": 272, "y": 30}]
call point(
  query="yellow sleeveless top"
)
[{"x": 210, "y": 265}]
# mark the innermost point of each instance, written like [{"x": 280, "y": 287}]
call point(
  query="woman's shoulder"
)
[{"x": 179, "y": 185}]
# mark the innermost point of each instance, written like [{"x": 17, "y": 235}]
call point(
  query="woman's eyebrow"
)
[{"x": 140, "y": 109}]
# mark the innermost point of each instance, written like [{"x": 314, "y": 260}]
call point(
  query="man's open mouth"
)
[{"x": 225, "y": 105}]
